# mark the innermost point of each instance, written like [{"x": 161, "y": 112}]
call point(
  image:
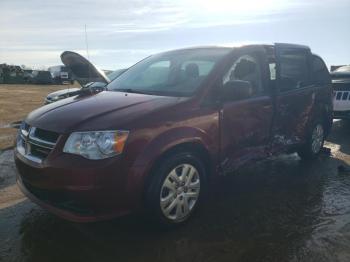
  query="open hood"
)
[{"x": 82, "y": 69}]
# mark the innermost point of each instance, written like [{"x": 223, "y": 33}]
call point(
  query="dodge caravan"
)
[{"x": 164, "y": 130}]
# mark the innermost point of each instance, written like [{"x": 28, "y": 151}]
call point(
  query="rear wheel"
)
[
  {"x": 314, "y": 143},
  {"x": 176, "y": 189}
]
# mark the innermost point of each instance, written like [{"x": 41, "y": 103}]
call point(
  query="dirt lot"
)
[{"x": 16, "y": 101}]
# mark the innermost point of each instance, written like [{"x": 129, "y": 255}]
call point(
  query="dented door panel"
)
[
  {"x": 294, "y": 96},
  {"x": 293, "y": 112},
  {"x": 245, "y": 129}
]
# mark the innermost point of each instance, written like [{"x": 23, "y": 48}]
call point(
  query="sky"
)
[{"x": 122, "y": 32}]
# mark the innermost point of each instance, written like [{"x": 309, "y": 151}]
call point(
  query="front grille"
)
[
  {"x": 35, "y": 143},
  {"x": 39, "y": 151},
  {"x": 46, "y": 135},
  {"x": 342, "y": 95},
  {"x": 341, "y": 86}
]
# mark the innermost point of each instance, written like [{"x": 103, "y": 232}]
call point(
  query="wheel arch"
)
[
  {"x": 321, "y": 111},
  {"x": 171, "y": 141},
  {"x": 194, "y": 147}
]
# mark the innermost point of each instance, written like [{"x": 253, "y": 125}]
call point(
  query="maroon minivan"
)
[{"x": 166, "y": 128}]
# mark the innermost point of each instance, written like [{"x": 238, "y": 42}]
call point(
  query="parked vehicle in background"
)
[
  {"x": 171, "y": 124},
  {"x": 11, "y": 74},
  {"x": 92, "y": 87},
  {"x": 61, "y": 75},
  {"x": 27, "y": 75},
  {"x": 342, "y": 72},
  {"x": 341, "y": 88},
  {"x": 40, "y": 77}
]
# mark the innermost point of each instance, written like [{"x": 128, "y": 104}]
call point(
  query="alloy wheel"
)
[
  {"x": 180, "y": 191},
  {"x": 317, "y": 138}
]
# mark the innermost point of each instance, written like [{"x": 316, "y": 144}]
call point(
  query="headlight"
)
[{"x": 96, "y": 144}]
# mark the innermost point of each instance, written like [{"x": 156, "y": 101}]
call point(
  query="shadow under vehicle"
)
[{"x": 163, "y": 131}]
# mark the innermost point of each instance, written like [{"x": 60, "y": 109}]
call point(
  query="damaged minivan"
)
[{"x": 170, "y": 125}]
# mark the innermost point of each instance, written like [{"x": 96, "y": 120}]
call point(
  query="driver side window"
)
[{"x": 246, "y": 68}]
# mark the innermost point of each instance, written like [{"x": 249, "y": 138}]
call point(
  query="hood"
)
[
  {"x": 341, "y": 80},
  {"x": 104, "y": 111},
  {"x": 344, "y": 73},
  {"x": 63, "y": 92},
  {"x": 82, "y": 69}
]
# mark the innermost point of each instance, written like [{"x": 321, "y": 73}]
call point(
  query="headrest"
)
[
  {"x": 244, "y": 68},
  {"x": 192, "y": 70}
]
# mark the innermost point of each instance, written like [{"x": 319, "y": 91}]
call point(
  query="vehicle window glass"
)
[
  {"x": 156, "y": 73},
  {"x": 319, "y": 71},
  {"x": 246, "y": 68},
  {"x": 293, "y": 70},
  {"x": 204, "y": 67},
  {"x": 174, "y": 73}
]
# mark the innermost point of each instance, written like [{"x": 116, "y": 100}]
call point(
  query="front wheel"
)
[
  {"x": 176, "y": 189},
  {"x": 314, "y": 142}
]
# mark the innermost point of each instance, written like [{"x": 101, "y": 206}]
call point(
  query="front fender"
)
[
  {"x": 171, "y": 138},
  {"x": 159, "y": 145}
]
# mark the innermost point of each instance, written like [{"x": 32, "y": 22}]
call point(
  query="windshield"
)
[
  {"x": 111, "y": 76},
  {"x": 115, "y": 74},
  {"x": 174, "y": 73}
]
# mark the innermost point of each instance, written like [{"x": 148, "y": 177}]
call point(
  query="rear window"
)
[{"x": 320, "y": 73}]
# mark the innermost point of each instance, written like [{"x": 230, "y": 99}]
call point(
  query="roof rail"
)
[{"x": 287, "y": 45}]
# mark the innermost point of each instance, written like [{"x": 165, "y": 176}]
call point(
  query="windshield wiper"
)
[{"x": 129, "y": 90}]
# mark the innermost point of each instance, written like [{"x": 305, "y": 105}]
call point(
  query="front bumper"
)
[{"x": 78, "y": 189}]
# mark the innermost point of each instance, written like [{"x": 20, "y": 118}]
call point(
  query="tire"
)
[
  {"x": 314, "y": 142},
  {"x": 172, "y": 197}
]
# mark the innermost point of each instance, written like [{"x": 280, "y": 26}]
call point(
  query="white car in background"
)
[
  {"x": 93, "y": 86},
  {"x": 341, "y": 88}
]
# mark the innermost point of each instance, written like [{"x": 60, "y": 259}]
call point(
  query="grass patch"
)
[{"x": 16, "y": 101}]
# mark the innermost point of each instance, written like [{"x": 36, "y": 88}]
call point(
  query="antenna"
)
[
  {"x": 87, "y": 52},
  {"x": 87, "y": 45}
]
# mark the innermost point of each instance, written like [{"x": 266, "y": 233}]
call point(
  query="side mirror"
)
[
  {"x": 94, "y": 87},
  {"x": 236, "y": 90},
  {"x": 98, "y": 88}
]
